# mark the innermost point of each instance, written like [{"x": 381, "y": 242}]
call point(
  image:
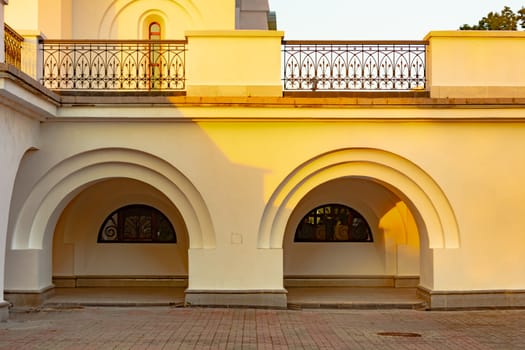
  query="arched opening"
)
[
  {"x": 370, "y": 239},
  {"x": 120, "y": 232},
  {"x": 136, "y": 178},
  {"x": 411, "y": 193}
]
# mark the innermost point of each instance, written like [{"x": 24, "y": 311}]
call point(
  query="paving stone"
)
[{"x": 166, "y": 328}]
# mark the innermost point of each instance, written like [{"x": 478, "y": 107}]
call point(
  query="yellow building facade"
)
[{"x": 197, "y": 156}]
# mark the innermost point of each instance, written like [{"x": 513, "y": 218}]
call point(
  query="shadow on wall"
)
[{"x": 220, "y": 197}]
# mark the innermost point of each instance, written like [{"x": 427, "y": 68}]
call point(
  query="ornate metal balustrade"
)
[
  {"x": 13, "y": 47},
  {"x": 113, "y": 65},
  {"x": 354, "y": 66}
]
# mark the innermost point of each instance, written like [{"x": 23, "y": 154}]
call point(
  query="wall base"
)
[
  {"x": 352, "y": 281},
  {"x": 4, "y": 311},
  {"x": 234, "y": 90},
  {"x": 119, "y": 281},
  {"x": 20, "y": 298},
  {"x": 237, "y": 298},
  {"x": 453, "y": 300}
]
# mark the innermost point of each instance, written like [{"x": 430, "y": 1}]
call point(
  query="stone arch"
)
[
  {"x": 42, "y": 208},
  {"x": 117, "y": 7},
  {"x": 412, "y": 184}
]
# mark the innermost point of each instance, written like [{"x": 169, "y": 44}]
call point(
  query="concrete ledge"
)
[
  {"x": 22, "y": 298},
  {"x": 254, "y": 33},
  {"x": 454, "y": 300},
  {"x": 477, "y": 92},
  {"x": 234, "y": 90},
  {"x": 237, "y": 298},
  {"x": 4, "y": 311},
  {"x": 352, "y": 281},
  {"x": 117, "y": 281},
  {"x": 498, "y": 34}
]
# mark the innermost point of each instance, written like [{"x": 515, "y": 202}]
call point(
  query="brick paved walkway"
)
[{"x": 210, "y": 328}]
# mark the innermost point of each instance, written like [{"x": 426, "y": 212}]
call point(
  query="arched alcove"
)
[
  {"x": 81, "y": 246},
  {"x": 389, "y": 248}
]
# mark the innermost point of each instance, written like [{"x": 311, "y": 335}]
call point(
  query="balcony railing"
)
[
  {"x": 354, "y": 66},
  {"x": 160, "y": 65},
  {"x": 113, "y": 65},
  {"x": 13, "y": 47}
]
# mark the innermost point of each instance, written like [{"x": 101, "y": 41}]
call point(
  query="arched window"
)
[
  {"x": 333, "y": 223},
  {"x": 155, "y": 56},
  {"x": 136, "y": 224},
  {"x": 154, "y": 31}
]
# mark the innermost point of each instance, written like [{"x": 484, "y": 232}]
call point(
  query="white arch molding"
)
[
  {"x": 40, "y": 212},
  {"x": 407, "y": 180}
]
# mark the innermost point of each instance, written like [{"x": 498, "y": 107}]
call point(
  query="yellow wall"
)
[
  {"x": 55, "y": 18},
  {"x": 22, "y": 15},
  {"x": 234, "y": 63},
  {"x": 123, "y": 19},
  {"x": 118, "y": 19},
  {"x": 237, "y": 165},
  {"x": 476, "y": 64}
]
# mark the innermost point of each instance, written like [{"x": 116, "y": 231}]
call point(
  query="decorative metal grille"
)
[
  {"x": 137, "y": 224},
  {"x": 114, "y": 65},
  {"x": 13, "y": 47},
  {"x": 333, "y": 223},
  {"x": 354, "y": 66}
]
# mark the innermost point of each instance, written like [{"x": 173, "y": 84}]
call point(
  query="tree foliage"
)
[{"x": 504, "y": 20}]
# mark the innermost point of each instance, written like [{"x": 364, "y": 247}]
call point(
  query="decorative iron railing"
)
[
  {"x": 113, "y": 65},
  {"x": 354, "y": 66},
  {"x": 13, "y": 47}
]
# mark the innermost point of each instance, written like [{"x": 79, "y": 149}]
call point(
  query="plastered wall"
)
[
  {"x": 18, "y": 134},
  {"x": 237, "y": 166}
]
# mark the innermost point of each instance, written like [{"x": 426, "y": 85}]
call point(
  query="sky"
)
[{"x": 379, "y": 19}]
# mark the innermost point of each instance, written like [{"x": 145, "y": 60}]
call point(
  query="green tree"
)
[
  {"x": 521, "y": 17},
  {"x": 504, "y": 20}
]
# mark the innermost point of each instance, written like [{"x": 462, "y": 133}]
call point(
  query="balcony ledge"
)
[{"x": 306, "y": 99}]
